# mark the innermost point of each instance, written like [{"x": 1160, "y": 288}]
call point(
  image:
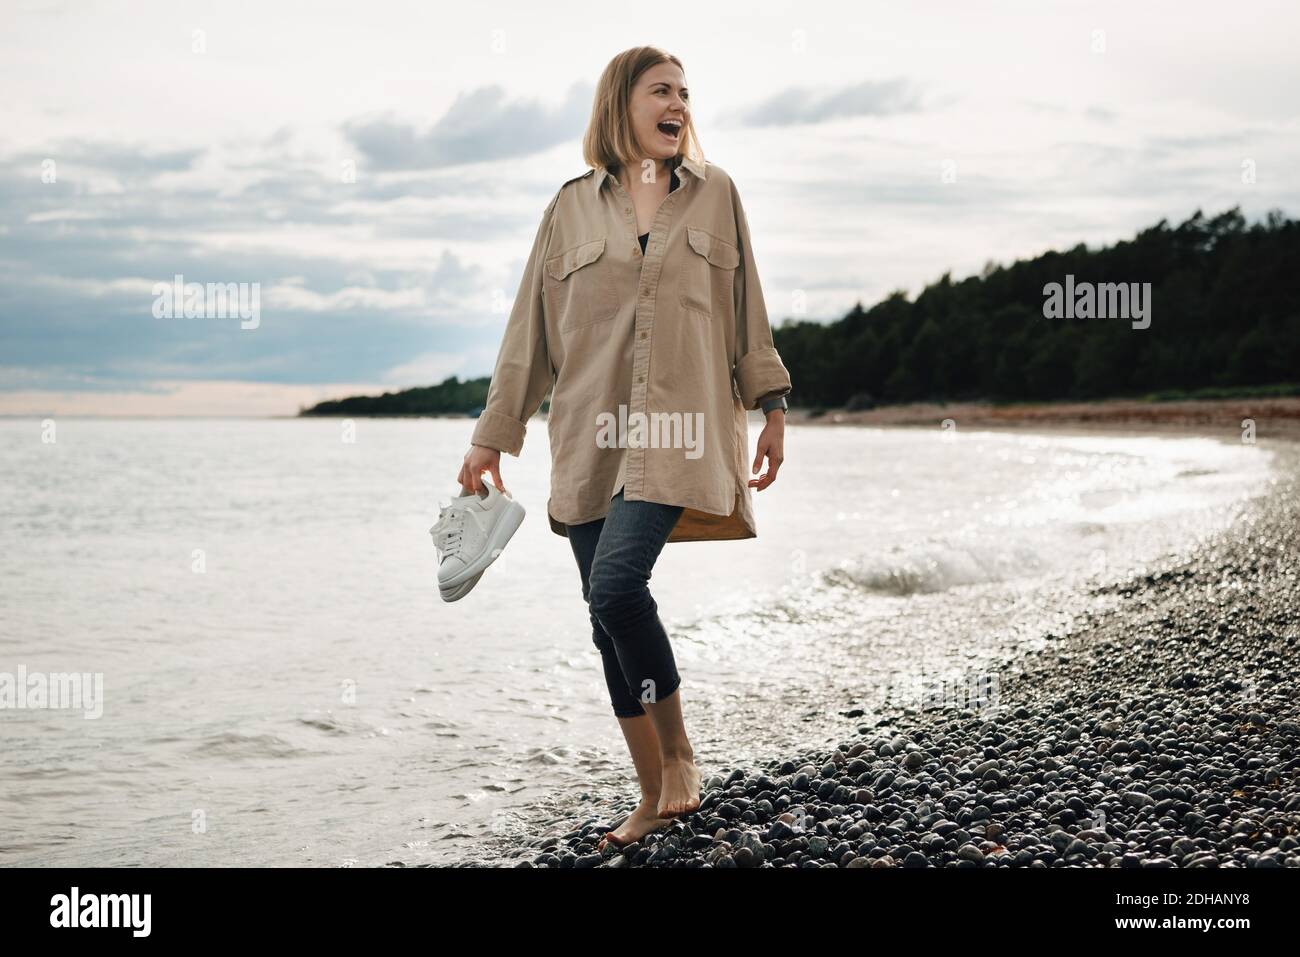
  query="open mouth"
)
[{"x": 671, "y": 128}]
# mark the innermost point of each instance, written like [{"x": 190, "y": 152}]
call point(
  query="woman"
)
[{"x": 640, "y": 307}]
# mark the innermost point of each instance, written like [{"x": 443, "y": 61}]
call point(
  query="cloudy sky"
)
[{"x": 213, "y": 140}]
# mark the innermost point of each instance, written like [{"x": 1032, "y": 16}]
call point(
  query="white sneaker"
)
[{"x": 470, "y": 533}]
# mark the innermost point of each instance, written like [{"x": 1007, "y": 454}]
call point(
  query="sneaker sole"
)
[{"x": 459, "y": 591}]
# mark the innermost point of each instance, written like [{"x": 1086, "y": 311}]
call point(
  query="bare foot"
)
[
  {"x": 639, "y": 823},
  {"x": 680, "y": 791}
]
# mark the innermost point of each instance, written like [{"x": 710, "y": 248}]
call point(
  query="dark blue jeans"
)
[{"x": 616, "y": 555}]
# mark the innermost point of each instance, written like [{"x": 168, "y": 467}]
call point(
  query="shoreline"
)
[
  {"x": 1274, "y": 418},
  {"x": 1159, "y": 734}
]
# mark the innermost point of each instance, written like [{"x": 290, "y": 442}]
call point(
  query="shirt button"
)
[{"x": 640, "y": 378}]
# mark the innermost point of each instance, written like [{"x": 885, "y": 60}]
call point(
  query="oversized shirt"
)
[{"x": 651, "y": 359}]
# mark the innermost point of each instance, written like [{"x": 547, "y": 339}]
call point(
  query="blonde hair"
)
[{"x": 609, "y": 140}]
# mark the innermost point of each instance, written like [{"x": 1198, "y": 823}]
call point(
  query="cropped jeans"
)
[{"x": 616, "y": 555}]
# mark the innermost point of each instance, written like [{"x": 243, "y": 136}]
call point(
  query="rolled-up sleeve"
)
[
  {"x": 759, "y": 372},
  {"x": 523, "y": 373}
]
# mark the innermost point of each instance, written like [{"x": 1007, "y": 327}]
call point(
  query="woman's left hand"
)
[{"x": 771, "y": 443}]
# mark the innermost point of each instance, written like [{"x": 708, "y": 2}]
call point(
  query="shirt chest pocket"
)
[
  {"x": 580, "y": 286},
  {"x": 708, "y": 271}
]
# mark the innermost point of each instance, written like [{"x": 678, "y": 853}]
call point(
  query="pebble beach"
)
[{"x": 1160, "y": 731}]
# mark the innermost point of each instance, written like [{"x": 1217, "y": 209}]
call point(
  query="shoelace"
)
[{"x": 448, "y": 529}]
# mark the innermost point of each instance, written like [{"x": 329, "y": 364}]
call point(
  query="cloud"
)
[
  {"x": 480, "y": 126},
  {"x": 295, "y": 298},
  {"x": 125, "y": 161},
  {"x": 801, "y": 106},
  {"x": 355, "y": 277},
  {"x": 51, "y": 215}
]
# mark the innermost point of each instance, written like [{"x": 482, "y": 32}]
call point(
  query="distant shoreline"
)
[{"x": 1274, "y": 418}]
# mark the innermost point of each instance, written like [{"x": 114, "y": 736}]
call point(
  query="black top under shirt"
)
[{"x": 645, "y": 237}]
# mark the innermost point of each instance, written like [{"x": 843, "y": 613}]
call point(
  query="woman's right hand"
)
[{"x": 480, "y": 459}]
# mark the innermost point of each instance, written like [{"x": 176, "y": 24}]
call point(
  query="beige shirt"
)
[{"x": 651, "y": 360}]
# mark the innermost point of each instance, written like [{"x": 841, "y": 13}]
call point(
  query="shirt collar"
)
[{"x": 696, "y": 169}]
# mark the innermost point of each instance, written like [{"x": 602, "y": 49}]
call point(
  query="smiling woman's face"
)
[{"x": 659, "y": 99}]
